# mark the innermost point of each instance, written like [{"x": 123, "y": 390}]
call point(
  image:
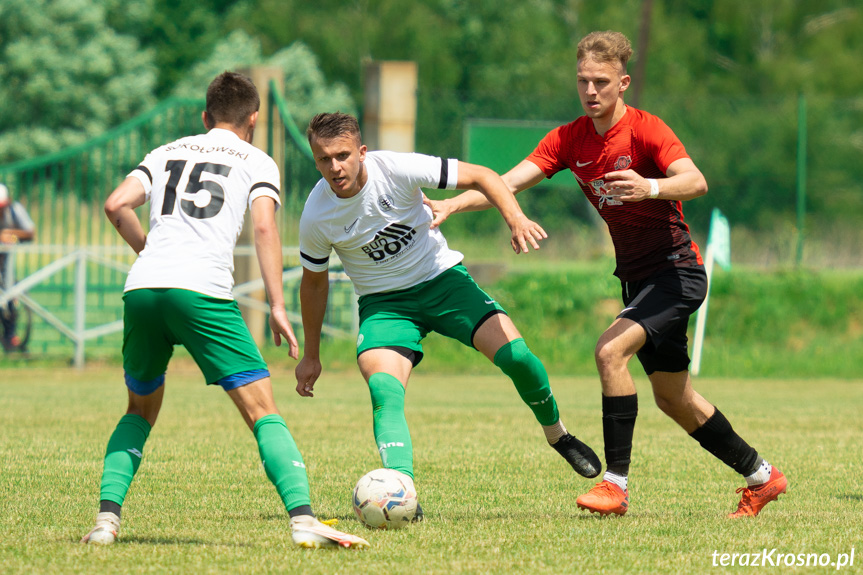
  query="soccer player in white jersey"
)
[
  {"x": 369, "y": 209},
  {"x": 179, "y": 293}
]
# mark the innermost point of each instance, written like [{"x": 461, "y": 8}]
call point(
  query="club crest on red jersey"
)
[{"x": 622, "y": 162}]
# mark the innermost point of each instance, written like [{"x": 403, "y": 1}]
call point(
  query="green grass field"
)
[{"x": 497, "y": 499}]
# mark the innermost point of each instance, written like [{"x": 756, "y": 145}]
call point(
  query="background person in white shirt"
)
[{"x": 15, "y": 226}]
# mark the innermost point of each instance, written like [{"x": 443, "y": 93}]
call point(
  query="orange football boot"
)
[
  {"x": 755, "y": 498},
  {"x": 605, "y": 498}
]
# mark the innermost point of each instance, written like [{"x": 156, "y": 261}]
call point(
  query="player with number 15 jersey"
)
[
  {"x": 198, "y": 188},
  {"x": 179, "y": 293}
]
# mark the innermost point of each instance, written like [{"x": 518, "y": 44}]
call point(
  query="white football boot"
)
[
  {"x": 308, "y": 532},
  {"x": 106, "y": 530}
]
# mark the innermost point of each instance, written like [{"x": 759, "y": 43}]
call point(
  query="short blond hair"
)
[{"x": 607, "y": 46}]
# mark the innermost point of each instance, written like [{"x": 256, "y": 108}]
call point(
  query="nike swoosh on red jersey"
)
[{"x": 581, "y": 165}]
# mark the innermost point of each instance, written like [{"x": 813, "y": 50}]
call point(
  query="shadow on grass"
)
[
  {"x": 850, "y": 496},
  {"x": 178, "y": 541},
  {"x": 526, "y": 516},
  {"x": 321, "y": 515}
]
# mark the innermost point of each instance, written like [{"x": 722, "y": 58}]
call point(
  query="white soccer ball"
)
[{"x": 385, "y": 499}]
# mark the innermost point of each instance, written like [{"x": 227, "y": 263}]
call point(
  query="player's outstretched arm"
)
[
  {"x": 314, "y": 291},
  {"x": 684, "y": 181},
  {"x": 120, "y": 209},
  {"x": 523, "y": 176},
  {"x": 524, "y": 231},
  {"x": 268, "y": 247}
]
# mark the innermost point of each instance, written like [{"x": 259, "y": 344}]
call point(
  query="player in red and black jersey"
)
[{"x": 636, "y": 173}]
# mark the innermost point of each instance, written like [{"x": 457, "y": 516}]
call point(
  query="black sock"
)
[
  {"x": 618, "y": 425},
  {"x": 719, "y": 438},
  {"x": 301, "y": 510},
  {"x": 106, "y": 506}
]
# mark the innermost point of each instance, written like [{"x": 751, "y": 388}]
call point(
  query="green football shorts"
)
[
  {"x": 211, "y": 329},
  {"x": 450, "y": 304}
]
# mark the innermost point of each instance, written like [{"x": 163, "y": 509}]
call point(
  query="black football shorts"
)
[{"x": 662, "y": 304}]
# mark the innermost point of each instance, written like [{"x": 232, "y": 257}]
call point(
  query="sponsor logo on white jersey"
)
[{"x": 390, "y": 242}]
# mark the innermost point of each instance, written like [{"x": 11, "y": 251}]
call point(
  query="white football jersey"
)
[
  {"x": 381, "y": 234},
  {"x": 198, "y": 188}
]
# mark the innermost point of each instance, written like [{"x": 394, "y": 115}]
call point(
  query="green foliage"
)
[
  {"x": 236, "y": 51},
  {"x": 790, "y": 323},
  {"x": 725, "y": 75},
  {"x": 306, "y": 90},
  {"x": 752, "y": 189},
  {"x": 730, "y": 91},
  {"x": 497, "y": 499},
  {"x": 65, "y": 75},
  {"x": 181, "y": 33},
  {"x": 76, "y": 68}
]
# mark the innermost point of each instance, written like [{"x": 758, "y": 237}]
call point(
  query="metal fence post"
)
[
  {"x": 80, "y": 306},
  {"x": 6, "y": 274},
  {"x": 801, "y": 177}
]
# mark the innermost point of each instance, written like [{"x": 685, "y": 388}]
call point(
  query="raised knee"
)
[
  {"x": 608, "y": 356},
  {"x": 515, "y": 359}
]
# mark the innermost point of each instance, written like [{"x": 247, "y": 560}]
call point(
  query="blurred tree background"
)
[
  {"x": 66, "y": 75},
  {"x": 724, "y": 74}
]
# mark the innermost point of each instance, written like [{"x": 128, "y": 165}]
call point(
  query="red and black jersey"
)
[{"x": 650, "y": 235}]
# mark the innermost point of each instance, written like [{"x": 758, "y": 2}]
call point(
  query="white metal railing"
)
[{"x": 78, "y": 333}]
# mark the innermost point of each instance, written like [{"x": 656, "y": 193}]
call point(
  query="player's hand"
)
[
  {"x": 627, "y": 186},
  {"x": 281, "y": 326},
  {"x": 8, "y": 237},
  {"x": 524, "y": 232},
  {"x": 440, "y": 211},
  {"x": 307, "y": 371}
]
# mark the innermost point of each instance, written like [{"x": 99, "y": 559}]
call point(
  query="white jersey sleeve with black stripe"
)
[{"x": 315, "y": 243}]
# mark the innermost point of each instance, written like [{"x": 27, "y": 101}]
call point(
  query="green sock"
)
[
  {"x": 530, "y": 379},
  {"x": 282, "y": 461},
  {"x": 123, "y": 456},
  {"x": 391, "y": 428}
]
